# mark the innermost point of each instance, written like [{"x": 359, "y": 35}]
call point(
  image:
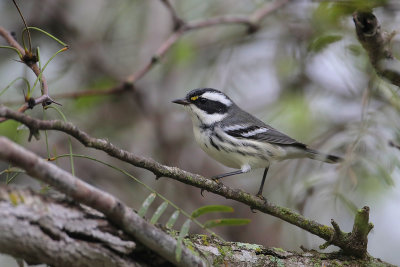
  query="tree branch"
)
[
  {"x": 244, "y": 254},
  {"x": 58, "y": 232},
  {"x": 40, "y": 230},
  {"x": 115, "y": 211},
  {"x": 327, "y": 233},
  {"x": 377, "y": 45}
]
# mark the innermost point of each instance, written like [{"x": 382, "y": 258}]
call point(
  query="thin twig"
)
[
  {"x": 393, "y": 144},
  {"x": 10, "y": 40},
  {"x": 252, "y": 22},
  {"x": 156, "y": 57},
  {"x": 26, "y": 26},
  {"x": 178, "y": 22},
  {"x": 33, "y": 65},
  {"x": 44, "y": 99}
]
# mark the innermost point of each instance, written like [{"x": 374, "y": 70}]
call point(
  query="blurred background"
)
[{"x": 303, "y": 72}]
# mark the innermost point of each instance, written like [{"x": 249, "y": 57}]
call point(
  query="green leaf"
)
[
  {"x": 9, "y": 179},
  {"x": 211, "y": 208},
  {"x": 146, "y": 204},
  {"x": 322, "y": 42},
  {"x": 184, "y": 231},
  {"x": 226, "y": 222},
  {"x": 13, "y": 81},
  {"x": 172, "y": 219},
  {"x": 160, "y": 210},
  {"x": 48, "y": 34}
]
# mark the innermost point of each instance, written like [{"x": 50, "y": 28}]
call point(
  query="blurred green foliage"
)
[
  {"x": 329, "y": 14},
  {"x": 89, "y": 102},
  {"x": 297, "y": 115},
  {"x": 9, "y": 129},
  {"x": 323, "y": 41},
  {"x": 183, "y": 52}
]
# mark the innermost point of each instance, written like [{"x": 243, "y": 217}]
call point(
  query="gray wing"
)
[{"x": 244, "y": 125}]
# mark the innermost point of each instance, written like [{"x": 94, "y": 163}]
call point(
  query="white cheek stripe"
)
[
  {"x": 217, "y": 97},
  {"x": 254, "y": 132},
  {"x": 204, "y": 117}
]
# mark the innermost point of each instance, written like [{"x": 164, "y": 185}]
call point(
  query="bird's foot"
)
[
  {"x": 215, "y": 179},
  {"x": 260, "y": 196}
]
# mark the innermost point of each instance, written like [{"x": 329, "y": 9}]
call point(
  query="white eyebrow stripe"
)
[
  {"x": 217, "y": 97},
  {"x": 254, "y": 132},
  {"x": 234, "y": 127}
]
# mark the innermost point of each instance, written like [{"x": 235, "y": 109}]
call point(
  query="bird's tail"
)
[{"x": 313, "y": 154}]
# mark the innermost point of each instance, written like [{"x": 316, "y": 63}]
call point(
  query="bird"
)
[{"x": 238, "y": 139}]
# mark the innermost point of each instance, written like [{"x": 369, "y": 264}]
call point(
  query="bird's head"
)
[{"x": 206, "y": 105}]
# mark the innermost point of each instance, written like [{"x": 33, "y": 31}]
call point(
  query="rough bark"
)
[
  {"x": 114, "y": 210},
  {"x": 40, "y": 229},
  {"x": 58, "y": 232}
]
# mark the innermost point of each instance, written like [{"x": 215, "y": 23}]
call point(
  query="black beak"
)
[{"x": 181, "y": 101}]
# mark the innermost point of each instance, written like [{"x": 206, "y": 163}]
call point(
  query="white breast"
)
[{"x": 236, "y": 153}]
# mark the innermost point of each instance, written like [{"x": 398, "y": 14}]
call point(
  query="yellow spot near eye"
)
[{"x": 193, "y": 98}]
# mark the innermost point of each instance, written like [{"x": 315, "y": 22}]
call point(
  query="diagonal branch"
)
[
  {"x": 82, "y": 192},
  {"x": 327, "y": 233}
]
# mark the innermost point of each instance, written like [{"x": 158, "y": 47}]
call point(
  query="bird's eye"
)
[{"x": 202, "y": 100}]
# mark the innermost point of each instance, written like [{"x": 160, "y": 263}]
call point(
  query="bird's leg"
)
[
  {"x": 259, "y": 194},
  {"x": 217, "y": 177}
]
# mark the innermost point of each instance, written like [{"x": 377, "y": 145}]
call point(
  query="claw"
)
[
  {"x": 260, "y": 196},
  {"x": 201, "y": 192},
  {"x": 215, "y": 179}
]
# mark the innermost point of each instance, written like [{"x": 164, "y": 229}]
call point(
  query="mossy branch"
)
[
  {"x": 71, "y": 234},
  {"x": 333, "y": 235}
]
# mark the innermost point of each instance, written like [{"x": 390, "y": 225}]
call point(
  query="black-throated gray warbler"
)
[{"x": 236, "y": 138}]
